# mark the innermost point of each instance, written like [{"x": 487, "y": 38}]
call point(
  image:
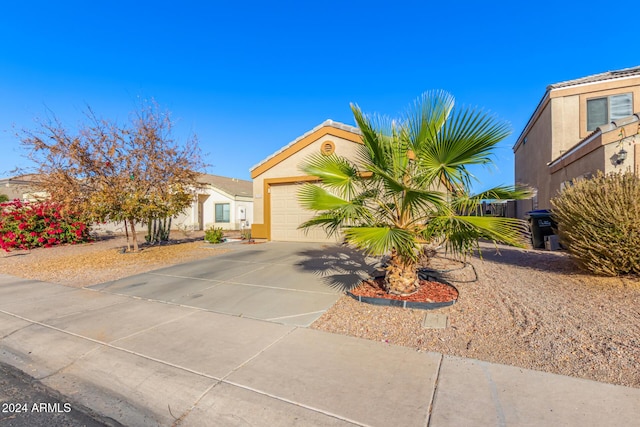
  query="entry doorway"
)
[{"x": 201, "y": 199}]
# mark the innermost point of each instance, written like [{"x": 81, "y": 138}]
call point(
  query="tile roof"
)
[
  {"x": 609, "y": 75},
  {"x": 232, "y": 186},
  {"x": 22, "y": 179},
  {"x": 327, "y": 122}
]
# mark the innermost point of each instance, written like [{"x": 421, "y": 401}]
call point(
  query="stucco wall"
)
[
  {"x": 587, "y": 165},
  {"x": 531, "y": 159},
  {"x": 565, "y": 117},
  {"x": 597, "y": 160}
]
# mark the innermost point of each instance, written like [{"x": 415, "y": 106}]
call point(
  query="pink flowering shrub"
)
[{"x": 26, "y": 225}]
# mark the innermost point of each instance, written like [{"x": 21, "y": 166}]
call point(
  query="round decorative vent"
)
[{"x": 327, "y": 148}]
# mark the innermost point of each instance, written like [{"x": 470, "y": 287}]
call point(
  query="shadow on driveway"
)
[{"x": 339, "y": 267}]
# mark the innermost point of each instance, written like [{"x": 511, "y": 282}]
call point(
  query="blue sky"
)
[{"x": 249, "y": 77}]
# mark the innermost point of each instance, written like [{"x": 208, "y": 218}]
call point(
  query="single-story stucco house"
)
[
  {"x": 220, "y": 202},
  {"x": 19, "y": 187},
  {"x": 276, "y": 180}
]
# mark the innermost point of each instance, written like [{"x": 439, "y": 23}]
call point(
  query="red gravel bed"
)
[{"x": 429, "y": 291}]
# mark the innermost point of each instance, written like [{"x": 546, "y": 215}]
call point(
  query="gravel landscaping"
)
[{"x": 526, "y": 308}]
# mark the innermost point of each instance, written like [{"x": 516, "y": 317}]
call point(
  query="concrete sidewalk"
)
[{"x": 141, "y": 362}]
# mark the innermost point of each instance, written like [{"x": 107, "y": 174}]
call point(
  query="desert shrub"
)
[
  {"x": 245, "y": 234},
  {"x": 599, "y": 223},
  {"x": 4, "y": 198},
  {"x": 213, "y": 235},
  {"x": 25, "y": 225}
]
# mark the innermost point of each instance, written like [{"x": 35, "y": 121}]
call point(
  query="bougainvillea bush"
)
[{"x": 27, "y": 225}]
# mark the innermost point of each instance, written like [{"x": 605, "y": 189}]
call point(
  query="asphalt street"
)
[{"x": 25, "y": 402}]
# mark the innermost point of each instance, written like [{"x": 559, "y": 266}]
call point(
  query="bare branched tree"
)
[{"x": 124, "y": 173}]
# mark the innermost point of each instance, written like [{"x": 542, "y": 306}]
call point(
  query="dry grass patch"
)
[{"x": 98, "y": 262}]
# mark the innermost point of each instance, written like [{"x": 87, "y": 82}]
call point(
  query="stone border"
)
[{"x": 409, "y": 304}]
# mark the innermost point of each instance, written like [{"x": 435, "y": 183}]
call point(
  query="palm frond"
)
[
  {"x": 372, "y": 138},
  {"x": 463, "y": 232},
  {"x": 381, "y": 240},
  {"x": 314, "y": 197},
  {"x": 418, "y": 201},
  {"x": 334, "y": 172},
  {"x": 505, "y": 192},
  {"x": 467, "y": 138},
  {"x": 468, "y": 203},
  {"x": 329, "y": 222},
  {"x": 427, "y": 116}
]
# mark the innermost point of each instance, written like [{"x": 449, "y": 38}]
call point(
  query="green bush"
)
[
  {"x": 245, "y": 234},
  {"x": 599, "y": 223},
  {"x": 213, "y": 235}
]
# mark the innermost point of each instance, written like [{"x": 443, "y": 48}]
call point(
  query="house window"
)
[
  {"x": 222, "y": 212},
  {"x": 601, "y": 111}
]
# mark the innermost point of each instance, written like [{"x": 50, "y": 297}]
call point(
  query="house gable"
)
[{"x": 328, "y": 127}]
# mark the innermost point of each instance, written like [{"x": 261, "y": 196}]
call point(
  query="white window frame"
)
[{"x": 222, "y": 207}]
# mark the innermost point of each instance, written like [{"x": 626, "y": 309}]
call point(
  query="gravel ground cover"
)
[{"x": 526, "y": 308}]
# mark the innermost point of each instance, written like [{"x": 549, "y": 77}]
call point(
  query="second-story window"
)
[{"x": 603, "y": 110}]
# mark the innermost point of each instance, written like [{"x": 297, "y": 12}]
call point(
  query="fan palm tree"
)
[{"x": 408, "y": 189}]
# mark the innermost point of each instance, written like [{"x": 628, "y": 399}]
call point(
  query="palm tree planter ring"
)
[{"x": 408, "y": 304}]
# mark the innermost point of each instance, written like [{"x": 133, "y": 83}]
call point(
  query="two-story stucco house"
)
[{"x": 579, "y": 127}]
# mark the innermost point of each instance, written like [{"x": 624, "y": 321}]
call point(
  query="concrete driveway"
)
[{"x": 287, "y": 283}]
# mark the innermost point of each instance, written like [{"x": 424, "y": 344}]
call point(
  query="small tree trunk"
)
[
  {"x": 402, "y": 276},
  {"x": 126, "y": 232},
  {"x": 156, "y": 228},
  {"x": 149, "y": 236},
  {"x": 134, "y": 238}
]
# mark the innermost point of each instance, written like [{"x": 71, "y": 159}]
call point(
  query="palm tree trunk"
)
[{"x": 402, "y": 276}]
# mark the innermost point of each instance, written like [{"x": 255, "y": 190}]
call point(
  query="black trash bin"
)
[{"x": 541, "y": 224}]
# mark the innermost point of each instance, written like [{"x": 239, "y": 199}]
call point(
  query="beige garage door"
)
[{"x": 287, "y": 215}]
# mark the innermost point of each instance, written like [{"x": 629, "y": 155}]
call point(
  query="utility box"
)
[{"x": 551, "y": 243}]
